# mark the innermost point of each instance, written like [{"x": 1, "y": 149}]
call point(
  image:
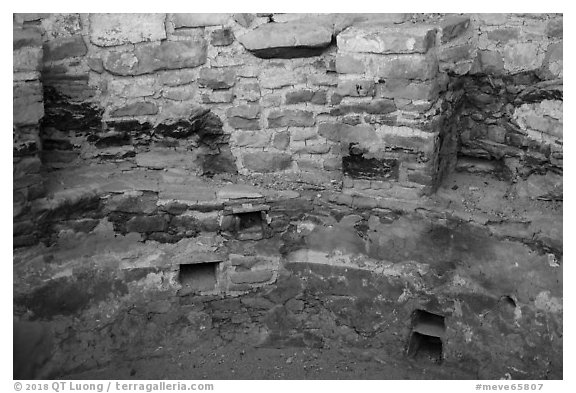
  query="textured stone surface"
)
[
  {"x": 132, "y": 87},
  {"x": 520, "y": 57},
  {"x": 26, "y": 111},
  {"x": 199, "y": 20},
  {"x": 118, "y": 29},
  {"x": 555, "y": 28},
  {"x": 221, "y": 37},
  {"x": 144, "y": 224},
  {"x": 339, "y": 132},
  {"x": 545, "y": 116},
  {"x": 252, "y": 277},
  {"x": 244, "y": 111},
  {"x": 405, "y": 88},
  {"x": 281, "y": 140},
  {"x": 348, "y": 64},
  {"x": 300, "y": 96},
  {"x": 356, "y": 88},
  {"x": 274, "y": 78},
  {"x": 217, "y": 78},
  {"x": 244, "y": 20},
  {"x": 166, "y": 55},
  {"x": 290, "y": 118},
  {"x": 135, "y": 109},
  {"x": 454, "y": 26},
  {"x": 252, "y": 139},
  {"x": 265, "y": 162},
  {"x": 28, "y": 108},
  {"x": 26, "y": 37},
  {"x": 62, "y": 48},
  {"x": 375, "y": 106},
  {"x": 249, "y": 91},
  {"x": 244, "y": 117},
  {"x": 419, "y": 67},
  {"x": 387, "y": 39},
  {"x": 284, "y": 39}
]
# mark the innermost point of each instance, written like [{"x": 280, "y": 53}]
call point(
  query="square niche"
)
[
  {"x": 198, "y": 277},
  {"x": 428, "y": 330}
]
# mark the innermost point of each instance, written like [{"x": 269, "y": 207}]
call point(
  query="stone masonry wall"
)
[{"x": 383, "y": 102}]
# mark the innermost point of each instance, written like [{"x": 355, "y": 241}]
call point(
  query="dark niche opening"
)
[
  {"x": 250, "y": 225},
  {"x": 358, "y": 164},
  {"x": 198, "y": 277},
  {"x": 425, "y": 342}
]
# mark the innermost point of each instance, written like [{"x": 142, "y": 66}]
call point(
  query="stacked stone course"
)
[{"x": 383, "y": 105}]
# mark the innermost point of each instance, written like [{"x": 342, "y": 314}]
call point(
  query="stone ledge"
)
[{"x": 287, "y": 40}]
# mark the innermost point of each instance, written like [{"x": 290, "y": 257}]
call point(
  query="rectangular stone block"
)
[
  {"x": 356, "y": 88},
  {"x": 503, "y": 35},
  {"x": 177, "y": 77},
  {"x": 119, "y": 29},
  {"x": 275, "y": 78},
  {"x": 375, "y": 106},
  {"x": 523, "y": 56},
  {"x": 266, "y": 162},
  {"x": 180, "y": 93},
  {"x": 166, "y": 55},
  {"x": 241, "y": 123},
  {"x": 244, "y": 111},
  {"x": 413, "y": 66},
  {"x": 384, "y": 39},
  {"x": 298, "y": 96},
  {"x": 291, "y": 118},
  {"x": 132, "y": 87},
  {"x": 217, "y": 78},
  {"x": 303, "y": 134},
  {"x": 453, "y": 27},
  {"x": 218, "y": 97},
  {"x": 252, "y": 139},
  {"x": 221, "y": 37},
  {"x": 328, "y": 79},
  {"x": 249, "y": 91},
  {"x": 199, "y": 20}
]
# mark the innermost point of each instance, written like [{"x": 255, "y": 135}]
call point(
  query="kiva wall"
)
[{"x": 382, "y": 104}]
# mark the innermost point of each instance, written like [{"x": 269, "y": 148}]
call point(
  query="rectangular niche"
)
[
  {"x": 359, "y": 165},
  {"x": 250, "y": 221},
  {"x": 198, "y": 277},
  {"x": 428, "y": 330}
]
